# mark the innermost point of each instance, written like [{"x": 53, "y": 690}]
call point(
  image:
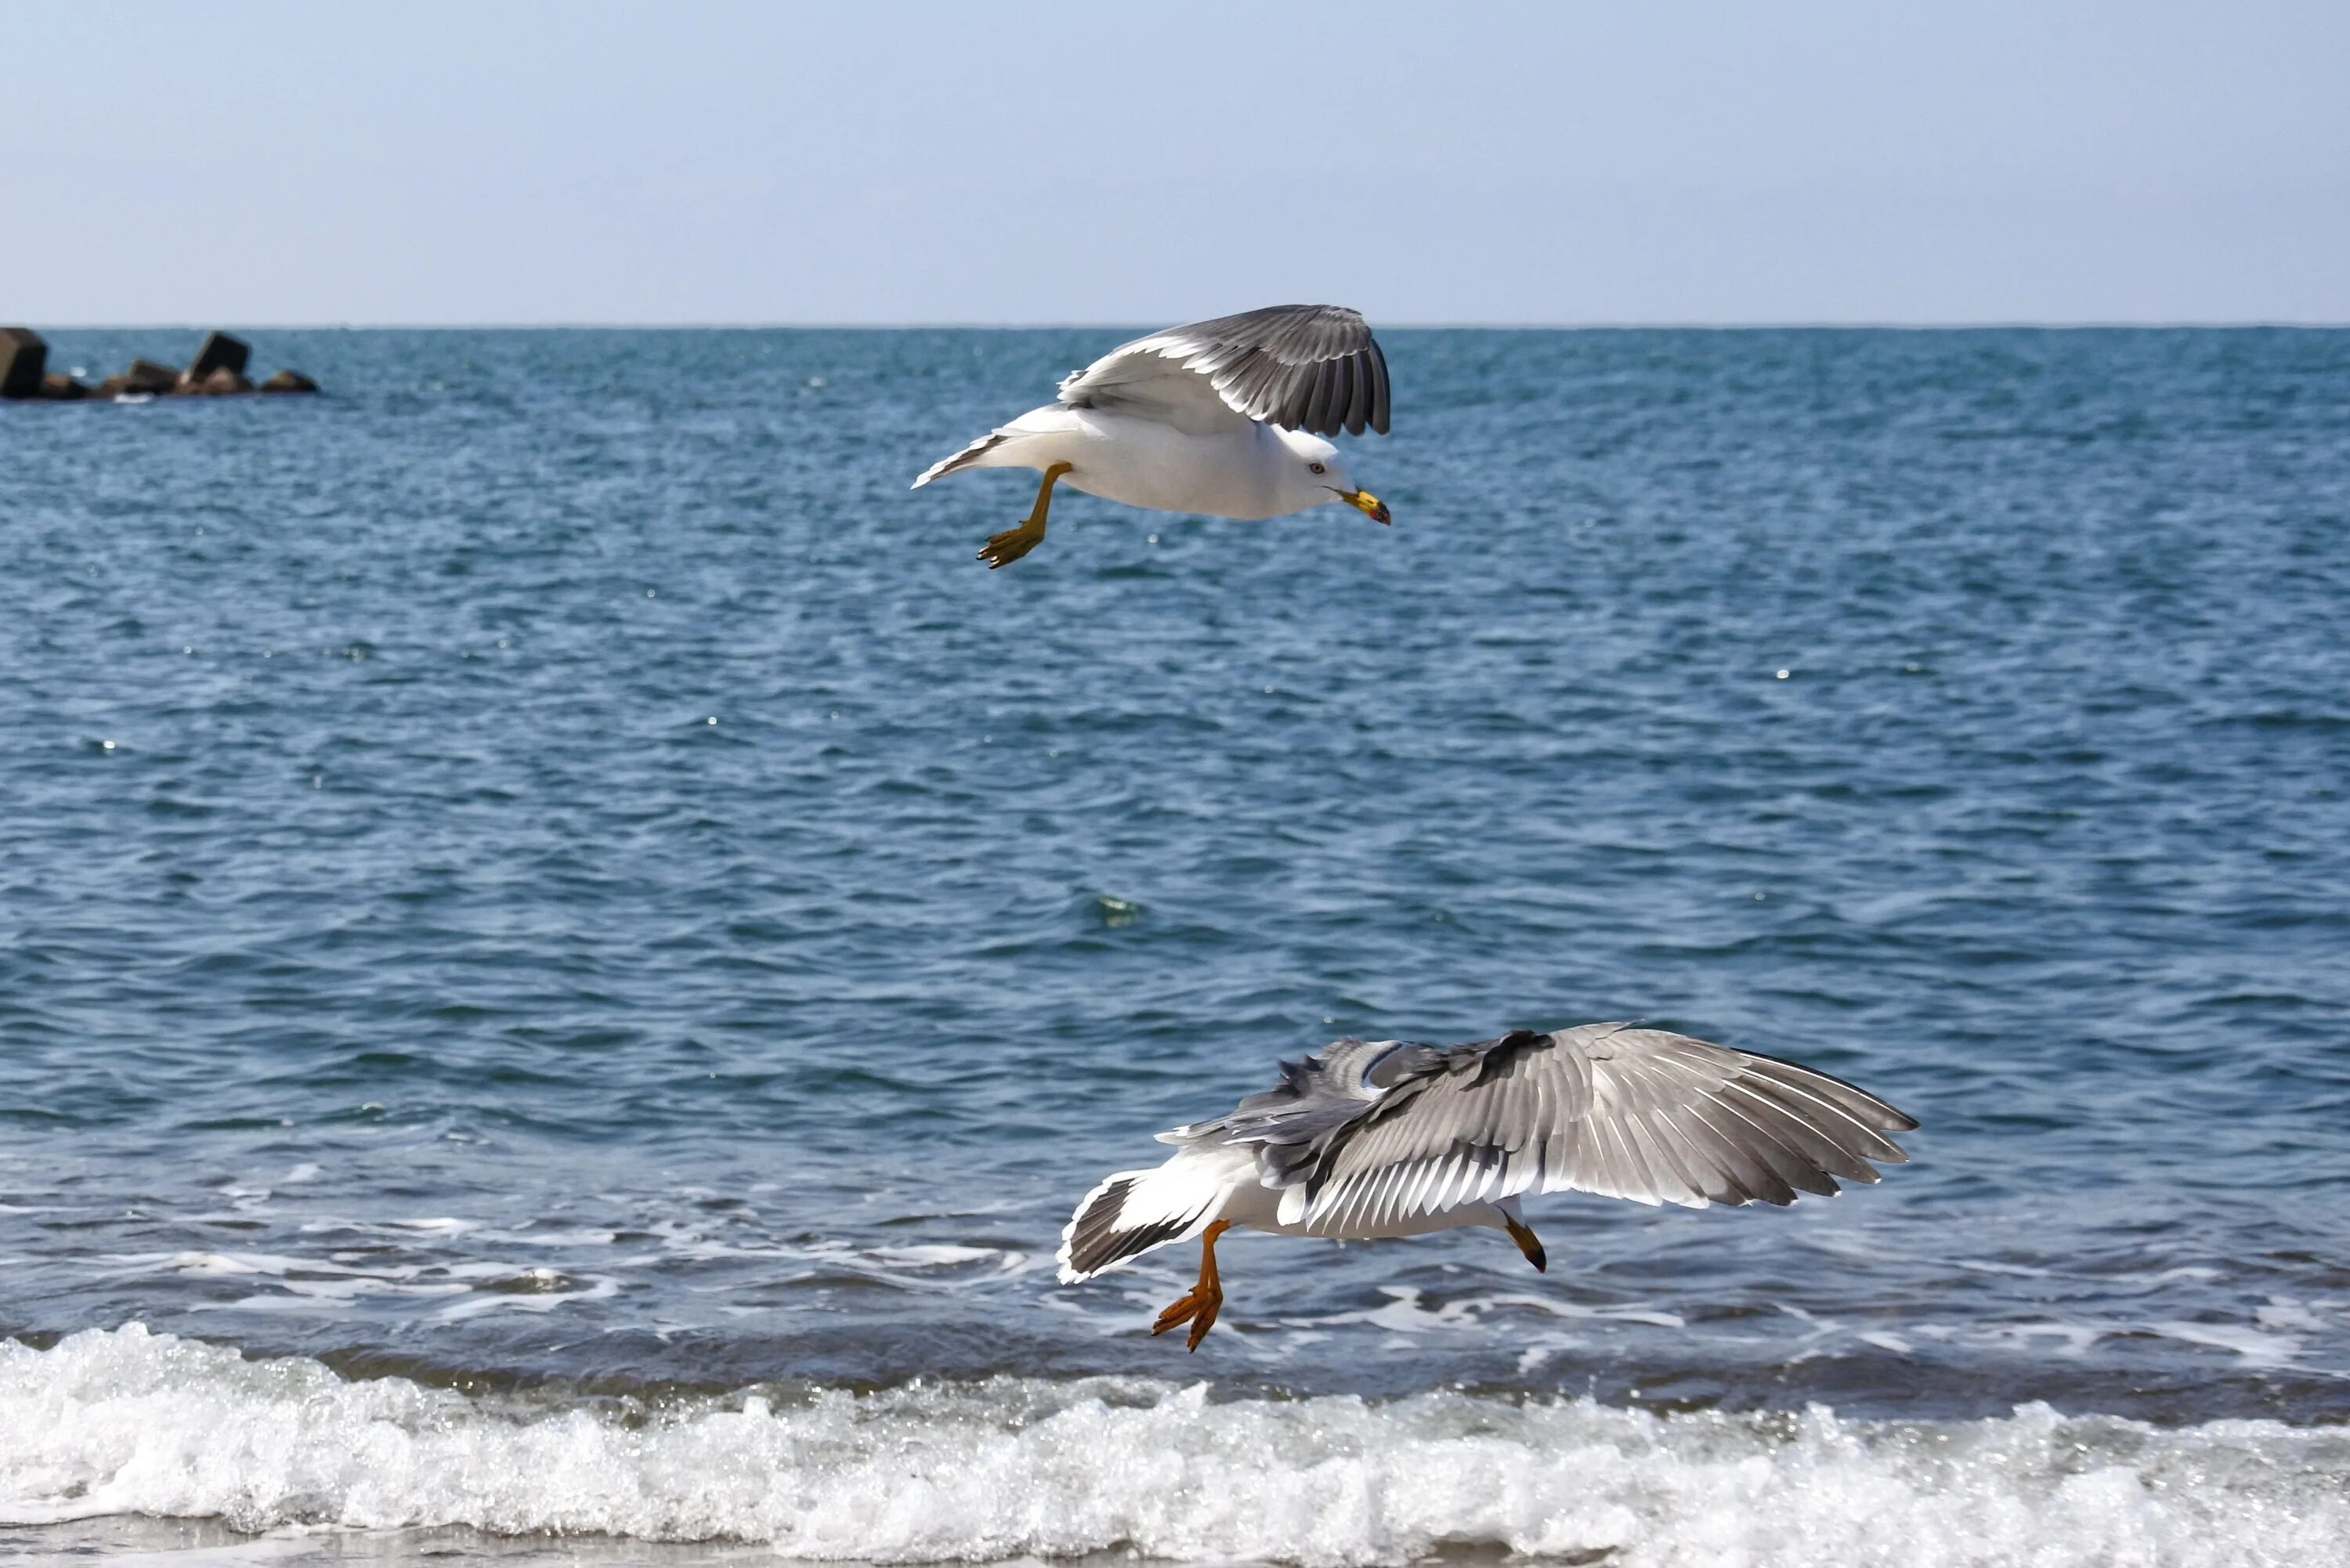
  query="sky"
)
[{"x": 1663, "y": 161}]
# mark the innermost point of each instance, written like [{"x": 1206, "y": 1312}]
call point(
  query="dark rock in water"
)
[
  {"x": 220, "y": 351},
  {"x": 217, "y": 371},
  {"x": 23, "y": 357},
  {"x": 145, "y": 376},
  {"x": 221, "y": 382}
]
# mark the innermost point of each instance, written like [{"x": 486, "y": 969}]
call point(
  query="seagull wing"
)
[
  {"x": 1365, "y": 1134},
  {"x": 1302, "y": 367}
]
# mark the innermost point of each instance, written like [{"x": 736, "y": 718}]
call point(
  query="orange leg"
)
[
  {"x": 1528, "y": 1243},
  {"x": 1206, "y": 1299},
  {"x": 1003, "y": 549}
]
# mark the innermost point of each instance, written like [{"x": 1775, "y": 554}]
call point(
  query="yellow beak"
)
[{"x": 1369, "y": 505}]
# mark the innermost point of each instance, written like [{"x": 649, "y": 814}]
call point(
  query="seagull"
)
[
  {"x": 1225, "y": 416},
  {"x": 1370, "y": 1138}
]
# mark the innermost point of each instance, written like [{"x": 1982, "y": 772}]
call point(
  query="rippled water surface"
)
[{"x": 548, "y": 874}]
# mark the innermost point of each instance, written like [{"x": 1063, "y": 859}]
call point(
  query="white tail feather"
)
[
  {"x": 1134, "y": 1211},
  {"x": 963, "y": 459}
]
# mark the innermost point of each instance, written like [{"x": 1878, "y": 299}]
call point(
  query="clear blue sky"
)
[{"x": 1659, "y": 161}]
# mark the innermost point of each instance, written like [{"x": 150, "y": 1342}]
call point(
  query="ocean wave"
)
[{"x": 129, "y": 1422}]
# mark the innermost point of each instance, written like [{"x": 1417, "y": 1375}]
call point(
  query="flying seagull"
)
[
  {"x": 1370, "y": 1138},
  {"x": 1225, "y": 416}
]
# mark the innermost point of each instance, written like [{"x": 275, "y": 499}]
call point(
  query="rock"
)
[
  {"x": 222, "y": 382},
  {"x": 220, "y": 351},
  {"x": 145, "y": 376},
  {"x": 289, "y": 381},
  {"x": 23, "y": 357},
  {"x": 62, "y": 388}
]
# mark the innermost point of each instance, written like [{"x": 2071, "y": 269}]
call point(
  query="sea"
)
[{"x": 566, "y": 951}]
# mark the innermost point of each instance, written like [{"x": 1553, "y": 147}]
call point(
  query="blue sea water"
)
[{"x": 565, "y": 951}]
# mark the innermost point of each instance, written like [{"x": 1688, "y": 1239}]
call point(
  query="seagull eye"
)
[{"x": 1318, "y": 468}]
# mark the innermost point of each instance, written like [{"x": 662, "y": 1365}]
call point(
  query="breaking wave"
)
[{"x": 129, "y": 1422}]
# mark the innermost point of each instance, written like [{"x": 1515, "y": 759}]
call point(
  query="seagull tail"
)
[
  {"x": 963, "y": 459},
  {"x": 1133, "y": 1212}
]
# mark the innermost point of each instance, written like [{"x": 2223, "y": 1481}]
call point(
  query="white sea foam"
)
[{"x": 129, "y": 1422}]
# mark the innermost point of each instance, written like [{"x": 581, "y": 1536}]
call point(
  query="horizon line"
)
[{"x": 2009, "y": 325}]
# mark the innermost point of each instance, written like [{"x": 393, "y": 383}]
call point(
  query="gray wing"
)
[
  {"x": 1302, "y": 367},
  {"x": 1365, "y": 1134}
]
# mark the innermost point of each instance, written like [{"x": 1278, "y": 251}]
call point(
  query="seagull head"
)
[{"x": 1320, "y": 474}]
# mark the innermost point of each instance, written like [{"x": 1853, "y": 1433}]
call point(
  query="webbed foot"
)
[
  {"x": 1200, "y": 1304},
  {"x": 1199, "y": 1308},
  {"x": 1003, "y": 549}
]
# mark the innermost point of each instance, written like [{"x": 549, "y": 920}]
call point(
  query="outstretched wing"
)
[
  {"x": 1361, "y": 1136},
  {"x": 1302, "y": 367}
]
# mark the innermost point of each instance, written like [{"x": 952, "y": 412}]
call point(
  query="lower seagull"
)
[{"x": 1369, "y": 1138}]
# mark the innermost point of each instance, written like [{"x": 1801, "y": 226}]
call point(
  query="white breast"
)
[{"x": 1143, "y": 463}]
